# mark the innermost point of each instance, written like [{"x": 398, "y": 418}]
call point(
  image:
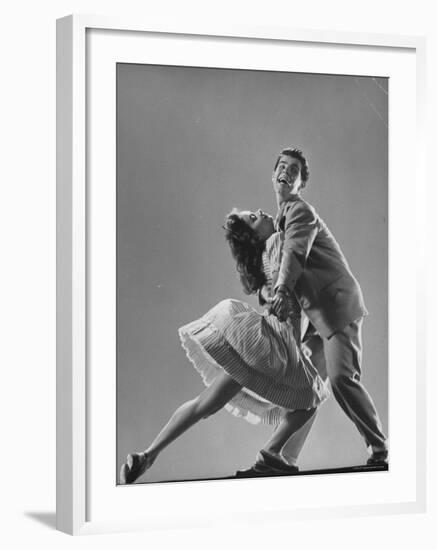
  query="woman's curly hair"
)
[{"x": 246, "y": 249}]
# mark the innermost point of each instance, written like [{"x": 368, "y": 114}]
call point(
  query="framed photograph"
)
[{"x": 262, "y": 402}]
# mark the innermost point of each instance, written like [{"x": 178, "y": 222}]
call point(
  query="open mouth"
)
[{"x": 283, "y": 181}]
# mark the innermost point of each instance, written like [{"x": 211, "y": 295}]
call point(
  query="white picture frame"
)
[{"x": 75, "y": 342}]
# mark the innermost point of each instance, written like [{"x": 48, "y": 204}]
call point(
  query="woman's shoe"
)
[
  {"x": 268, "y": 465},
  {"x": 274, "y": 463},
  {"x": 124, "y": 472},
  {"x": 135, "y": 466}
]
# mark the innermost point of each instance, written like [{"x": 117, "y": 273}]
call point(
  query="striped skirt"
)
[{"x": 259, "y": 353}]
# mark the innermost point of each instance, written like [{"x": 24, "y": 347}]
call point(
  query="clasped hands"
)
[{"x": 279, "y": 304}]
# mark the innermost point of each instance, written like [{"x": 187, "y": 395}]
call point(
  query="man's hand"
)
[{"x": 279, "y": 305}]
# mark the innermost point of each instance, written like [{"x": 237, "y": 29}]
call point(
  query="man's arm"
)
[{"x": 301, "y": 226}]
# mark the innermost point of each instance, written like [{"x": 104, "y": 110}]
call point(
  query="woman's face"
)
[{"x": 260, "y": 222}]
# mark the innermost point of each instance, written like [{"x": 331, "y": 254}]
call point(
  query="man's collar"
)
[
  {"x": 292, "y": 198},
  {"x": 281, "y": 209}
]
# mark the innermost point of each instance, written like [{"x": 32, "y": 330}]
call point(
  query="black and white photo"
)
[{"x": 206, "y": 159}]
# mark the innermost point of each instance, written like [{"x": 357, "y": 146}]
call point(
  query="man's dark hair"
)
[{"x": 297, "y": 154}]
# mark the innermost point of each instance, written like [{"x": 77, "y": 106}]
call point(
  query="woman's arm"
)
[{"x": 264, "y": 297}]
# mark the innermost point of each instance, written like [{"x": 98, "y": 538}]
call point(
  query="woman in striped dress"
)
[{"x": 250, "y": 362}]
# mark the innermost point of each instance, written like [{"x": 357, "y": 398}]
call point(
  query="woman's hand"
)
[
  {"x": 280, "y": 305},
  {"x": 264, "y": 297}
]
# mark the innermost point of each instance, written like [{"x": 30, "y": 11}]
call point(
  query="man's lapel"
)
[{"x": 279, "y": 217}]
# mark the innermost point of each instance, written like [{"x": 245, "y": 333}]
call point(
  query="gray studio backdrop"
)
[{"x": 191, "y": 144}]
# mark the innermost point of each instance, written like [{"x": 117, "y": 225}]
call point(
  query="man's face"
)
[{"x": 286, "y": 178}]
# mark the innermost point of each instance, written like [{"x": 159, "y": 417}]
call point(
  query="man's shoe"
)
[{"x": 378, "y": 458}]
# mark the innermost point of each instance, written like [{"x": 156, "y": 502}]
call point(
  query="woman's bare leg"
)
[
  {"x": 291, "y": 450},
  {"x": 290, "y": 424},
  {"x": 211, "y": 400}
]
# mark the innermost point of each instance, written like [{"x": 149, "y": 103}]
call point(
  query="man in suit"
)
[{"x": 314, "y": 268}]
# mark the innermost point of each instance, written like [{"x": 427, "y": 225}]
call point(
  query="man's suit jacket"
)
[{"x": 315, "y": 269}]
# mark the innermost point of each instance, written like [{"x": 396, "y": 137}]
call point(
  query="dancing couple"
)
[{"x": 273, "y": 367}]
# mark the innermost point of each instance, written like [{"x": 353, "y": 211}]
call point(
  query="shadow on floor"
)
[{"x": 46, "y": 518}]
